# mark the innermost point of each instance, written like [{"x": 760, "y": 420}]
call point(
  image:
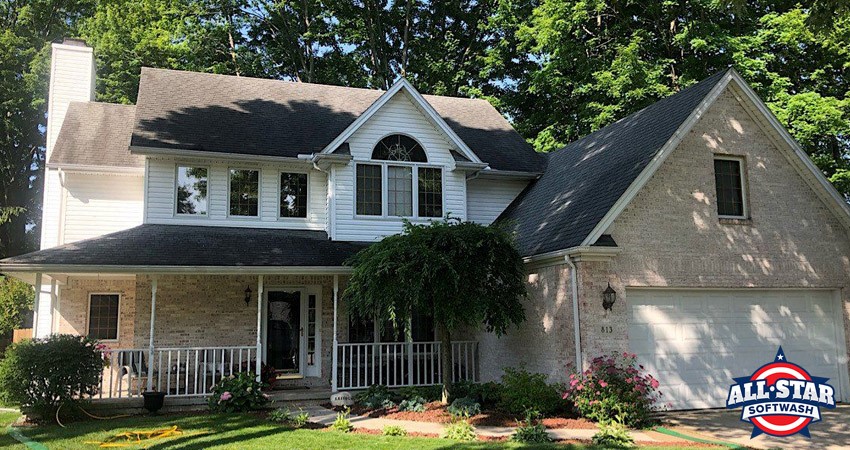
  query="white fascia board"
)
[
  {"x": 85, "y": 168},
  {"x": 580, "y": 253},
  {"x": 420, "y": 101},
  {"x": 180, "y": 153},
  {"x": 657, "y": 161}
]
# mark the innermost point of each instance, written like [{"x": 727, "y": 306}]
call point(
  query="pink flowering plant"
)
[
  {"x": 615, "y": 384},
  {"x": 237, "y": 393}
]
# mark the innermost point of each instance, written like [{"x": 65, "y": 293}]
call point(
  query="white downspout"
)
[
  {"x": 576, "y": 329},
  {"x": 36, "y": 305},
  {"x": 259, "y": 363}
]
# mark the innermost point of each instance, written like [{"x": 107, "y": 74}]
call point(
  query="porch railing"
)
[
  {"x": 183, "y": 372},
  {"x": 396, "y": 364}
]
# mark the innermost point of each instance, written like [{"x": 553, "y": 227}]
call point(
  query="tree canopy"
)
[
  {"x": 461, "y": 273},
  {"x": 558, "y": 69}
]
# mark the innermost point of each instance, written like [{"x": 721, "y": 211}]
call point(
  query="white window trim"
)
[
  {"x": 118, "y": 321},
  {"x": 385, "y": 189},
  {"x": 177, "y": 167},
  {"x": 277, "y": 196},
  {"x": 259, "y": 193},
  {"x": 744, "y": 191}
]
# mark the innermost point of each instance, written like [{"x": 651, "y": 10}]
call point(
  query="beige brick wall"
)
[
  {"x": 544, "y": 342},
  {"x": 671, "y": 236},
  {"x": 74, "y": 303}
]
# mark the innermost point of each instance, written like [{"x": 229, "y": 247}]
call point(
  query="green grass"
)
[{"x": 235, "y": 431}]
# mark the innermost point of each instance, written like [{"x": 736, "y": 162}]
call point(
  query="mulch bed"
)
[{"x": 435, "y": 412}]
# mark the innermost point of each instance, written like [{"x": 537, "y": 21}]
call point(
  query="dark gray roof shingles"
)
[
  {"x": 584, "y": 180},
  {"x": 228, "y": 114},
  {"x": 96, "y": 134},
  {"x": 197, "y": 246}
]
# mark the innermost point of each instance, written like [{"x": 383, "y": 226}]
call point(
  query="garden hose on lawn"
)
[{"x": 670, "y": 432}]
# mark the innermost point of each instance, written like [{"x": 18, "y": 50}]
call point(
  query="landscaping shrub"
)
[
  {"x": 612, "y": 435},
  {"x": 237, "y": 393},
  {"x": 459, "y": 430},
  {"x": 285, "y": 416},
  {"x": 267, "y": 373},
  {"x": 464, "y": 407},
  {"x": 375, "y": 397},
  {"x": 43, "y": 375},
  {"x": 415, "y": 404},
  {"x": 531, "y": 430},
  {"x": 394, "y": 430},
  {"x": 429, "y": 393},
  {"x": 614, "y": 385},
  {"x": 343, "y": 421},
  {"x": 523, "y": 390},
  {"x": 487, "y": 394}
]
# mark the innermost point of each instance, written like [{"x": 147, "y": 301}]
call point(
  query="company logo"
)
[{"x": 780, "y": 398}]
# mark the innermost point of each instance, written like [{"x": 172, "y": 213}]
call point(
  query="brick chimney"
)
[{"x": 72, "y": 78}]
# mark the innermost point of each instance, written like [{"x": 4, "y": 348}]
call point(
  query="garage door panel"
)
[{"x": 696, "y": 341}]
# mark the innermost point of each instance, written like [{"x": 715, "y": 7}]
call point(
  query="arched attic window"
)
[
  {"x": 399, "y": 183},
  {"x": 398, "y": 147}
]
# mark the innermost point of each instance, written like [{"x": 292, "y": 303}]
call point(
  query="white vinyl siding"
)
[
  {"x": 398, "y": 115},
  {"x": 161, "y": 196},
  {"x": 487, "y": 198},
  {"x": 98, "y": 204}
]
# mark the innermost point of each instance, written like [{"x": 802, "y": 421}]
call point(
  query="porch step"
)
[{"x": 300, "y": 395}]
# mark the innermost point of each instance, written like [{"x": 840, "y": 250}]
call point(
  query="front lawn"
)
[{"x": 236, "y": 431}]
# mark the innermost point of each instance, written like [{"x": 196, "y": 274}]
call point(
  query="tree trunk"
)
[{"x": 446, "y": 361}]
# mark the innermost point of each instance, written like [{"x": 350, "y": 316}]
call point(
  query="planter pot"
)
[{"x": 153, "y": 401}]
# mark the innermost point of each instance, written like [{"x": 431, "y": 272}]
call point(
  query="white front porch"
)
[{"x": 319, "y": 356}]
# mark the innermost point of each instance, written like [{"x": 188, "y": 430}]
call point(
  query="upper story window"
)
[
  {"x": 244, "y": 192},
  {"x": 191, "y": 190},
  {"x": 103, "y": 316},
  {"x": 293, "y": 194},
  {"x": 402, "y": 185},
  {"x": 729, "y": 184}
]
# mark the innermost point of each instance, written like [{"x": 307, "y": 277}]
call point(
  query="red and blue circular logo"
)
[{"x": 780, "y": 398}]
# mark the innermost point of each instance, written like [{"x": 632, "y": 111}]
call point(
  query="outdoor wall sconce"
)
[
  {"x": 248, "y": 295},
  {"x": 609, "y": 296}
]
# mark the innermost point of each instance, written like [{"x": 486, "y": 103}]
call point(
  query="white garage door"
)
[{"x": 696, "y": 341}]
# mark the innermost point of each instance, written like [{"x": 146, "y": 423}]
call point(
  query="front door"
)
[{"x": 284, "y": 331}]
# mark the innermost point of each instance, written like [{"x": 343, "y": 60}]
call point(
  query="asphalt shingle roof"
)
[
  {"x": 583, "y": 180},
  {"x": 228, "y": 114},
  {"x": 96, "y": 134},
  {"x": 197, "y": 246}
]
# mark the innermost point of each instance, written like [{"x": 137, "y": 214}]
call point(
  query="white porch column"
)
[
  {"x": 334, "y": 355},
  {"x": 36, "y": 305},
  {"x": 259, "y": 365},
  {"x": 154, "y": 287}
]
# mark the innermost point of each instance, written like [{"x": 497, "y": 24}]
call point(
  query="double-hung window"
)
[
  {"x": 103, "y": 316},
  {"x": 729, "y": 185},
  {"x": 244, "y": 192},
  {"x": 400, "y": 183},
  {"x": 293, "y": 194},
  {"x": 191, "y": 191}
]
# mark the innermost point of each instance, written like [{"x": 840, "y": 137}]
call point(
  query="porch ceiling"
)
[{"x": 178, "y": 248}]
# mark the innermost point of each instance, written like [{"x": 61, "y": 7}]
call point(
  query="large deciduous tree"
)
[{"x": 461, "y": 273}]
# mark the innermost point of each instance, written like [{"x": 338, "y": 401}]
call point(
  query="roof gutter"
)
[
  {"x": 177, "y": 153},
  {"x": 148, "y": 269},
  {"x": 506, "y": 174},
  {"x": 579, "y": 253},
  {"x": 85, "y": 168}
]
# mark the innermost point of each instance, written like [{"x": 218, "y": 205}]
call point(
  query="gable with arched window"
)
[{"x": 398, "y": 182}]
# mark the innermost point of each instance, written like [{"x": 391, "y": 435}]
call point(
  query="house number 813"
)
[{"x": 607, "y": 329}]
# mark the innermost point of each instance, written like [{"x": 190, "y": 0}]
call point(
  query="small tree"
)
[
  {"x": 16, "y": 299},
  {"x": 462, "y": 273}
]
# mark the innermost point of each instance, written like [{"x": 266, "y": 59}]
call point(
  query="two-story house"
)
[{"x": 204, "y": 231}]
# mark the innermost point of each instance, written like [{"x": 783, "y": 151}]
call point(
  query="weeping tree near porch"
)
[{"x": 463, "y": 274}]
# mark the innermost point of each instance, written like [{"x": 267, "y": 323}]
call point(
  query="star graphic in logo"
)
[{"x": 779, "y": 355}]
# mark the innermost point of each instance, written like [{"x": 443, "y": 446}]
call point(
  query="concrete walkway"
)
[
  {"x": 831, "y": 433},
  {"x": 325, "y": 416}
]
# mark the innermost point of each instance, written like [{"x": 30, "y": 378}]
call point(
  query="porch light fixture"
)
[
  {"x": 609, "y": 296},
  {"x": 248, "y": 292}
]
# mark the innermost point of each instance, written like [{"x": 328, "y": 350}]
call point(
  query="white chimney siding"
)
[{"x": 72, "y": 78}]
